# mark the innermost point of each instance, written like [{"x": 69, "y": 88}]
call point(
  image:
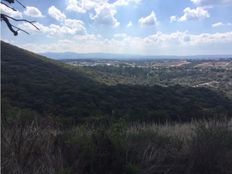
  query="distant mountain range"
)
[{"x": 72, "y": 55}]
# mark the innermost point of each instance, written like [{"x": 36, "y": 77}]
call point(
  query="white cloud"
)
[
  {"x": 74, "y": 23},
  {"x": 212, "y": 38},
  {"x": 220, "y": 24},
  {"x": 173, "y": 18},
  {"x": 56, "y": 13},
  {"x": 104, "y": 11},
  {"x": 105, "y": 15},
  {"x": 192, "y": 39},
  {"x": 157, "y": 43},
  {"x": 10, "y": 12},
  {"x": 130, "y": 24},
  {"x": 82, "y": 6},
  {"x": 198, "y": 13},
  {"x": 211, "y": 2},
  {"x": 66, "y": 27},
  {"x": 69, "y": 27},
  {"x": 33, "y": 12},
  {"x": 149, "y": 20},
  {"x": 126, "y": 2},
  {"x": 74, "y": 5}
]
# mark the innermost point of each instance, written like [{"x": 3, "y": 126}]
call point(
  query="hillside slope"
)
[{"x": 49, "y": 87}]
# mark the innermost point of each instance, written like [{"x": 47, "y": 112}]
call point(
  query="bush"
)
[
  {"x": 99, "y": 151},
  {"x": 27, "y": 147},
  {"x": 39, "y": 147},
  {"x": 211, "y": 149},
  {"x": 154, "y": 153}
]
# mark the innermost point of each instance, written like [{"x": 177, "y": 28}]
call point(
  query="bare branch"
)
[
  {"x": 9, "y": 25},
  {"x": 9, "y": 1},
  {"x": 23, "y": 20},
  {"x": 7, "y": 18},
  {"x": 19, "y": 29},
  {"x": 8, "y": 6},
  {"x": 21, "y": 4},
  {"x": 13, "y": 1}
]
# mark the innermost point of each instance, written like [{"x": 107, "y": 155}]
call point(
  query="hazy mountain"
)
[{"x": 72, "y": 55}]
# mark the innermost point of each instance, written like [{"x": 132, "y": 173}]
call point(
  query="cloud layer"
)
[
  {"x": 128, "y": 26},
  {"x": 157, "y": 43}
]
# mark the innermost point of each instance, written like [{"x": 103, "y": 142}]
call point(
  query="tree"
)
[{"x": 8, "y": 19}]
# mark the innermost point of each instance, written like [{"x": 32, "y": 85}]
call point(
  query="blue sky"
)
[{"x": 151, "y": 27}]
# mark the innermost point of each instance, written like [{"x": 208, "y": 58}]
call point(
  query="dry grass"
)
[
  {"x": 29, "y": 148},
  {"x": 189, "y": 148}
]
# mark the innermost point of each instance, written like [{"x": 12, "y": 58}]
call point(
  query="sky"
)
[{"x": 144, "y": 27}]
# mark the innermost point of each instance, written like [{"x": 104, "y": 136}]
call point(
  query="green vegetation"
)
[
  {"x": 41, "y": 146},
  {"x": 52, "y": 88},
  {"x": 213, "y": 74},
  {"x": 57, "y": 119}
]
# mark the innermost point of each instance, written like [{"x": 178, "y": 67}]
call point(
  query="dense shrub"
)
[
  {"x": 27, "y": 148},
  {"x": 39, "y": 146},
  {"x": 211, "y": 148},
  {"x": 96, "y": 151}
]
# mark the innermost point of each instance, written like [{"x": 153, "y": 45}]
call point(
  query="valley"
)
[
  {"x": 116, "y": 87},
  {"x": 215, "y": 74},
  {"x": 111, "y": 116}
]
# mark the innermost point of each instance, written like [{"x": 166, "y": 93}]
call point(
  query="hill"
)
[{"x": 49, "y": 87}]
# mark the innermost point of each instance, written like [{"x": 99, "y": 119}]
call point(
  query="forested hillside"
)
[
  {"x": 52, "y": 88},
  {"x": 57, "y": 119},
  {"x": 215, "y": 74}
]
